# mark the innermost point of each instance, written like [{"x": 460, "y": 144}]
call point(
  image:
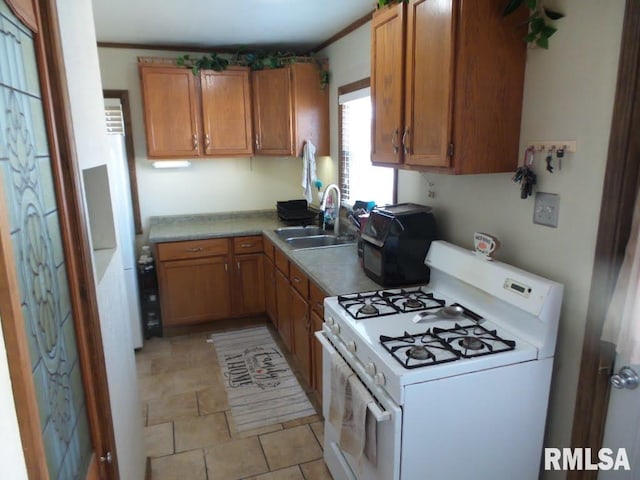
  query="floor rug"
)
[{"x": 261, "y": 388}]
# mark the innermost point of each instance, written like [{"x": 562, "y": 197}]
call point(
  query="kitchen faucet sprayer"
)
[{"x": 323, "y": 207}]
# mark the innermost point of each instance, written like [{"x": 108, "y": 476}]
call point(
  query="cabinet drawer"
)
[
  {"x": 316, "y": 299},
  {"x": 251, "y": 244},
  {"x": 299, "y": 280},
  {"x": 192, "y": 249},
  {"x": 282, "y": 262}
]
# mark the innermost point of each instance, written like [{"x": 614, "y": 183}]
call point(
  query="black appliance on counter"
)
[
  {"x": 296, "y": 212},
  {"x": 395, "y": 242}
]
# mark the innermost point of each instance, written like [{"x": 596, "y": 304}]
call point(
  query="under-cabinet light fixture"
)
[{"x": 171, "y": 164}]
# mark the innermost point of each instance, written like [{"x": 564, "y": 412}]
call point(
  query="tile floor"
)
[{"x": 189, "y": 433}]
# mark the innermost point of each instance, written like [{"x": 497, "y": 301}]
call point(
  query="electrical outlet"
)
[{"x": 545, "y": 209}]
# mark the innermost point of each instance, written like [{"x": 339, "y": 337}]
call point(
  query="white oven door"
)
[{"x": 389, "y": 423}]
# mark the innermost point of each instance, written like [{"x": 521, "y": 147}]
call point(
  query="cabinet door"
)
[
  {"x": 301, "y": 325},
  {"x": 249, "y": 285},
  {"x": 194, "y": 290},
  {"x": 272, "y": 107},
  {"x": 387, "y": 84},
  {"x": 171, "y": 114},
  {"x": 283, "y": 299},
  {"x": 270, "y": 290},
  {"x": 316, "y": 353},
  {"x": 226, "y": 112},
  {"x": 429, "y": 83},
  {"x": 310, "y": 108}
]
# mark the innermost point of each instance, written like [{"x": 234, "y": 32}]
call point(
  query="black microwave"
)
[{"x": 395, "y": 243}]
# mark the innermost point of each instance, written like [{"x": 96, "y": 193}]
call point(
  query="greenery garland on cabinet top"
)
[
  {"x": 539, "y": 20},
  {"x": 257, "y": 60}
]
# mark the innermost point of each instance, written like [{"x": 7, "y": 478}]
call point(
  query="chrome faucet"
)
[{"x": 323, "y": 206}]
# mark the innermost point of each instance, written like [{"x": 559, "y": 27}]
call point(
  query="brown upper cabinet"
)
[
  {"x": 188, "y": 116},
  {"x": 290, "y": 106},
  {"x": 446, "y": 83}
]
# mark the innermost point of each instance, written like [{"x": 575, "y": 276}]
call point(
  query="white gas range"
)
[{"x": 461, "y": 393}]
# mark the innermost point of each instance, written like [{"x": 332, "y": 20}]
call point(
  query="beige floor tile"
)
[
  {"x": 192, "y": 379},
  {"x": 143, "y": 413},
  {"x": 155, "y": 347},
  {"x": 155, "y": 386},
  {"x": 212, "y": 400},
  {"x": 186, "y": 465},
  {"x": 200, "y": 432},
  {"x": 184, "y": 360},
  {"x": 316, "y": 470},
  {"x": 158, "y": 439},
  {"x": 290, "y": 447},
  {"x": 190, "y": 343},
  {"x": 162, "y": 410},
  {"x": 318, "y": 431},
  {"x": 143, "y": 365},
  {"x": 236, "y": 459},
  {"x": 291, "y": 473},
  {"x": 301, "y": 421}
]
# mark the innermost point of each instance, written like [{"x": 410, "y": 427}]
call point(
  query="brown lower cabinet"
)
[
  {"x": 301, "y": 321},
  {"x": 211, "y": 279},
  {"x": 270, "y": 299},
  {"x": 283, "y": 300}
]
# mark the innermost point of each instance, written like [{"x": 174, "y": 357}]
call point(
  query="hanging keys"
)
[
  {"x": 527, "y": 179},
  {"x": 525, "y": 175}
]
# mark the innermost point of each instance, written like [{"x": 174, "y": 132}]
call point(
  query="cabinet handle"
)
[
  {"x": 308, "y": 317},
  {"x": 257, "y": 141},
  {"x": 195, "y": 141},
  {"x": 207, "y": 141},
  {"x": 394, "y": 137},
  {"x": 296, "y": 279},
  {"x": 246, "y": 245},
  {"x": 404, "y": 140},
  {"x": 238, "y": 265},
  {"x": 226, "y": 268},
  {"x": 194, "y": 249}
]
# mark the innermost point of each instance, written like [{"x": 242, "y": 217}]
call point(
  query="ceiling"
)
[{"x": 297, "y": 25}]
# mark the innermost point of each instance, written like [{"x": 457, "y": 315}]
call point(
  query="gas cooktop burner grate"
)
[
  {"x": 441, "y": 345},
  {"x": 474, "y": 341},
  {"x": 413, "y": 351},
  {"x": 388, "y": 302}
]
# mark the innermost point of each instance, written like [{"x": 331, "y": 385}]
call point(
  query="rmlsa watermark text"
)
[{"x": 580, "y": 459}]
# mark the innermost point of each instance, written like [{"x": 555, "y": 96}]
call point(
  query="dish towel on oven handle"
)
[{"x": 349, "y": 412}]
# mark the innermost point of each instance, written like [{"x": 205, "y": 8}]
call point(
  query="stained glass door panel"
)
[{"x": 28, "y": 190}]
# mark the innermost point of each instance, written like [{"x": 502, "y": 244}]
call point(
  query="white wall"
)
[
  {"x": 569, "y": 92},
  {"x": 87, "y": 110},
  {"x": 209, "y": 185},
  {"x": 12, "y": 464}
]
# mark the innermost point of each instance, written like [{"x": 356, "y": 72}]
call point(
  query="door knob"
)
[{"x": 625, "y": 378}]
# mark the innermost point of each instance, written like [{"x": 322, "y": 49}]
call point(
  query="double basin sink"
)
[{"x": 299, "y": 238}]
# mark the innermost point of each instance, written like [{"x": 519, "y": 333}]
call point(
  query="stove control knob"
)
[
  {"x": 335, "y": 328},
  {"x": 370, "y": 368},
  {"x": 379, "y": 379},
  {"x": 351, "y": 346},
  {"x": 329, "y": 321}
]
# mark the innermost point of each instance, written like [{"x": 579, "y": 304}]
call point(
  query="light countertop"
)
[{"x": 336, "y": 269}]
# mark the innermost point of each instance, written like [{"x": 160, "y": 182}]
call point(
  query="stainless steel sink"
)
[
  {"x": 319, "y": 241},
  {"x": 294, "y": 232}
]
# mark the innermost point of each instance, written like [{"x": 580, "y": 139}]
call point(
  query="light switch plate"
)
[{"x": 545, "y": 209}]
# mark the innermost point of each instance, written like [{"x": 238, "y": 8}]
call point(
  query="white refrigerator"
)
[{"x": 123, "y": 212}]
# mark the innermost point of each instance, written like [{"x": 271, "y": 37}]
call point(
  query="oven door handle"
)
[{"x": 379, "y": 414}]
